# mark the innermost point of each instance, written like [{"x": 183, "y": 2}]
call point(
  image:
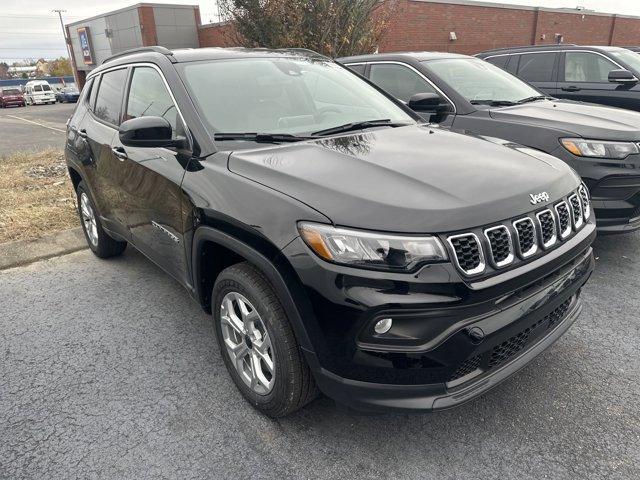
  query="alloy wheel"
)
[
  {"x": 248, "y": 343},
  {"x": 89, "y": 219}
]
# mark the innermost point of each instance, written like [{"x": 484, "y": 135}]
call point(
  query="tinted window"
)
[
  {"x": 94, "y": 92},
  {"x": 86, "y": 91},
  {"x": 149, "y": 97},
  {"x": 587, "y": 67},
  {"x": 499, "y": 61},
  {"x": 358, "y": 68},
  {"x": 399, "y": 81},
  {"x": 109, "y": 96},
  {"x": 46, "y": 88},
  {"x": 37, "y": 88},
  {"x": 537, "y": 67}
]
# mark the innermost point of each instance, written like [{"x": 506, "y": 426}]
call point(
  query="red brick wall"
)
[
  {"x": 626, "y": 32},
  {"x": 216, "y": 35},
  {"x": 426, "y": 26},
  {"x": 418, "y": 25},
  {"x": 148, "y": 24},
  {"x": 576, "y": 28}
]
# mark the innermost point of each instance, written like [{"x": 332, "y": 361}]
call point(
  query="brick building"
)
[{"x": 462, "y": 26}]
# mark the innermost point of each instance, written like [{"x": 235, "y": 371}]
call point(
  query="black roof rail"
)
[
  {"x": 131, "y": 51},
  {"x": 307, "y": 51},
  {"x": 527, "y": 47}
]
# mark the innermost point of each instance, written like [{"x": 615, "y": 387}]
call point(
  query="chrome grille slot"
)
[
  {"x": 547, "y": 223},
  {"x": 501, "y": 247},
  {"x": 586, "y": 203},
  {"x": 576, "y": 210},
  {"x": 468, "y": 253},
  {"x": 564, "y": 219},
  {"x": 525, "y": 237}
]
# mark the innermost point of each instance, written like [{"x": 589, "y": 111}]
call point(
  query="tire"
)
[
  {"x": 99, "y": 241},
  {"x": 292, "y": 384}
]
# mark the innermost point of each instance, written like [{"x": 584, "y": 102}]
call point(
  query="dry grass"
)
[{"x": 36, "y": 195}]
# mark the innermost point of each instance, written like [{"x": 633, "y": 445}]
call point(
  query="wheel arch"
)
[{"x": 268, "y": 259}]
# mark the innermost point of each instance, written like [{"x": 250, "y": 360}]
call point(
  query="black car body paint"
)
[{"x": 455, "y": 334}]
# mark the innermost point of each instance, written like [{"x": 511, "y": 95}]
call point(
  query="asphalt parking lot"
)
[
  {"x": 109, "y": 370},
  {"x": 33, "y": 127}
]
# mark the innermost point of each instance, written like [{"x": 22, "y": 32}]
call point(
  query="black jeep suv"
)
[
  {"x": 469, "y": 95},
  {"x": 340, "y": 243},
  {"x": 605, "y": 75}
]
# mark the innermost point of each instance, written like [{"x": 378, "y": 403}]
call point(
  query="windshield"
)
[
  {"x": 46, "y": 88},
  {"x": 478, "y": 81},
  {"x": 284, "y": 95},
  {"x": 627, "y": 56},
  {"x": 11, "y": 91}
]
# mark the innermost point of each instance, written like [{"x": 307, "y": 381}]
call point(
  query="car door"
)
[
  {"x": 403, "y": 81},
  {"x": 102, "y": 166},
  {"x": 540, "y": 71},
  {"x": 151, "y": 178},
  {"x": 585, "y": 77}
]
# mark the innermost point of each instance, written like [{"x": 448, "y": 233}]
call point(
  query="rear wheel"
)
[
  {"x": 100, "y": 243},
  {"x": 257, "y": 343}
]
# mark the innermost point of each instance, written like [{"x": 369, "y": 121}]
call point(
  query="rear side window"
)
[
  {"x": 399, "y": 81},
  {"x": 537, "y": 67},
  {"x": 359, "y": 69},
  {"x": 587, "y": 67},
  {"x": 499, "y": 61},
  {"x": 148, "y": 96},
  {"x": 86, "y": 91},
  {"x": 109, "y": 98}
]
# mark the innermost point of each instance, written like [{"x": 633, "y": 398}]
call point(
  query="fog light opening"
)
[{"x": 383, "y": 326}]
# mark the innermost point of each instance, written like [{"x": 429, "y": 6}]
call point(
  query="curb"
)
[{"x": 23, "y": 252}]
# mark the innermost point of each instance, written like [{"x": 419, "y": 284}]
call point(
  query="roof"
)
[
  {"x": 555, "y": 46},
  {"x": 418, "y": 56},
  {"x": 130, "y": 7}
]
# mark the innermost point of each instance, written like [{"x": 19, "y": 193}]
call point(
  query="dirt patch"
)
[{"x": 36, "y": 195}]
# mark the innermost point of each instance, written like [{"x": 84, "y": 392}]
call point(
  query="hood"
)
[
  {"x": 580, "y": 119},
  {"x": 408, "y": 179}
]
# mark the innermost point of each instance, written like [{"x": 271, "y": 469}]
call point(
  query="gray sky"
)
[{"x": 28, "y": 28}]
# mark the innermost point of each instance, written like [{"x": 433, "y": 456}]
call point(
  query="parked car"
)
[
  {"x": 11, "y": 97},
  {"x": 339, "y": 241},
  {"x": 468, "y": 94},
  {"x": 604, "y": 75},
  {"x": 39, "y": 92},
  {"x": 633, "y": 49},
  {"x": 67, "y": 95}
]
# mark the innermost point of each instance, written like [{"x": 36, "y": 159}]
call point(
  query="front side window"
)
[
  {"x": 148, "y": 96},
  {"x": 109, "y": 98},
  {"x": 537, "y": 67},
  {"x": 587, "y": 67},
  {"x": 359, "y": 68},
  {"x": 632, "y": 59},
  {"x": 399, "y": 81},
  {"x": 283, "y": 95},
  {"x": 479, "y": 81}
]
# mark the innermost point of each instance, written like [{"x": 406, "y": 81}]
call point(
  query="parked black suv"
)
[
  {"x": 338, "y": 242},
  {"x": 467, "y": 94},
  {"x": 604, "y": 75}
]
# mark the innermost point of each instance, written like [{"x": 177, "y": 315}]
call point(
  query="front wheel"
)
[
  {"x": 257, "y": 343},
  {"x": 100, "y": 243}
]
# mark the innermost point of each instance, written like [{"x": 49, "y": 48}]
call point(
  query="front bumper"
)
[
  {"x": 615, "y": 190},
  {"x": 432, "y": 361}
]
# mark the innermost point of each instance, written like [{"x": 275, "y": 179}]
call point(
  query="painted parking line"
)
[{"x": 37, "y": 123}]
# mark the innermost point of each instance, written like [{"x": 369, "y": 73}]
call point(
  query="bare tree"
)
[{"x": 332, "y": 27}]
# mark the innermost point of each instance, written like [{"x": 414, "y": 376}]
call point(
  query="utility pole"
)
[{"x": 67, "y": 42}]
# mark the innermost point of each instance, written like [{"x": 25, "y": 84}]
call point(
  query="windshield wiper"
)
[
  {"x": 348, "y": 127},
  {"x": 533, "y": 99},
  {"x": 260, "y": 137},
  {"x": 493, "y": 103}
]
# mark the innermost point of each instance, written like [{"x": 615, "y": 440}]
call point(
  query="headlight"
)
[
  {"x": 599, "y": 149},
  {"x": 371, "y": 250}
]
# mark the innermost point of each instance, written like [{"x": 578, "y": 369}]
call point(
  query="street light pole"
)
[{"x": 67, "y": 42}]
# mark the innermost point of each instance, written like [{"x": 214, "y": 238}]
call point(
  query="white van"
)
[{"x": 39, "y": 92}]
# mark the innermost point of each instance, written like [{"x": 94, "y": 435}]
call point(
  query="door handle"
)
[
  {"x": 82, "y": 133},
  {"x": 571, "y": 88},
  {"x": 120, "y": 153}
]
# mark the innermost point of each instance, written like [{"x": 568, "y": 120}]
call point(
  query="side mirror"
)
[
  {"x": 622, "y": 76},
  {"x": 148, "y": 132},
  {"x": 427, "y": 102}
]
